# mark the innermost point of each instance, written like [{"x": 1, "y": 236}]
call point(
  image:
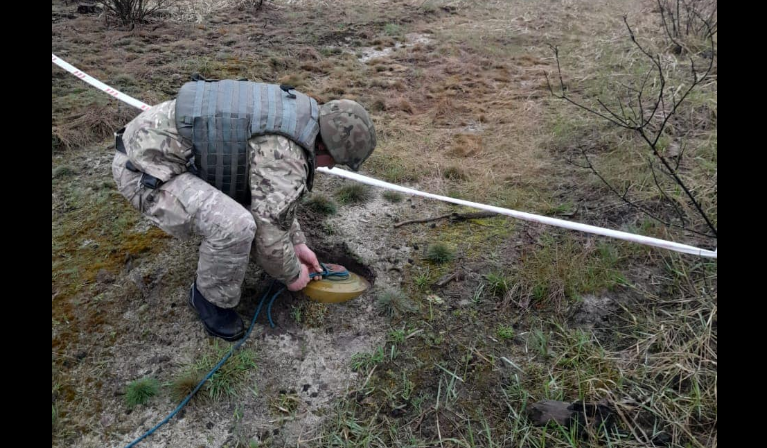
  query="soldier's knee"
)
[{"x": 244, "y": 228}]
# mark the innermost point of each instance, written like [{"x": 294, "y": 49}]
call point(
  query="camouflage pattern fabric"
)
[
  {"x": 185, "y": 204},
  {"x": 154, "y": 145},
  {"x": 347, "y": 131},
  {"x": 278, "y": 171}
]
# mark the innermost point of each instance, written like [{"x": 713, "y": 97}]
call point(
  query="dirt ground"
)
[{"x": 444, "y": 350}]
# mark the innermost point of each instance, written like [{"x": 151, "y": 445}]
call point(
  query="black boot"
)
[{"x": 220, "y": 322}]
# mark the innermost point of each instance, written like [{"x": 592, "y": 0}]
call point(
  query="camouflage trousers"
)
[{"x": 187, "y": 205}]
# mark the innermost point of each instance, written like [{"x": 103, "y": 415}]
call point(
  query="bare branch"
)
[
  {"x": 679, "y": 181},
  {"x": 636, "y": 205},
  {"x": 572, "y": 162},
  {"x": 644, "y": 123},
  {"x": 674, "y": 25},
  {"x": 679, "y": 159},
  {"x": 663, "y": 192},
  {"x": 657, "y": 62},
  {"x": 564, "y": 96},
  {"x": 639, "y": 98},
  {"x": 626, "y": 118},
  {"x": 454, "y": 217},
  {"x": 616, "y": 116}
]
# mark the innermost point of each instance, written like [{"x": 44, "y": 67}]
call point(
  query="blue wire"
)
[{"x": 325, "y": 273}]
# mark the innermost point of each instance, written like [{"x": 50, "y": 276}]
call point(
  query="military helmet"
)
[{"x": 347, "y": 131}]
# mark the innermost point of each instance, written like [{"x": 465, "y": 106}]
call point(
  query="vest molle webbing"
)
[{"x": 219, "y": 117}]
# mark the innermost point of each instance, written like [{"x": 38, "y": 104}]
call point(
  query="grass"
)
[
  {"x": 422, "y": 280},
  {"x": 454, "y": 173},
  {"x": 328, "y": 228},
  {"x": 440, "y": 253},
  {"x": 393, "y": 168},
  {"x": 366, "y": 361},
  {"x": 63, "y": 171},
  {"x": 321, "y": 204},
  {"x": 286, "y": 403},
  {"x": 140, "y": 391},
  {"x": 560, "y": 361},
  {"x": 393, "y": 196},
  {"x": 539, "y": 343},
  {"x": 505, "y": 332},
  {"x": 185, "y": 383},
  {"x": 354, "y": 194},
  {"x": 95, "y": 123},
  {"x": 621, "y": 157},
  {"x": 561, "y": 269},
  {"x": 227, "y": 382},
  {"x": 476, "y": 104},
  {"x": 397, "y": 336},
  {"x": 685, "y": 336},
  {"x": 310, "y": 314},
  {"x": 497, "y": 284},
  {"x": 346, "y": 429},
  {"x": 392, "y": 29},
  {"x": 394, "y": 302},
  {"x": 296, "y": 313}
]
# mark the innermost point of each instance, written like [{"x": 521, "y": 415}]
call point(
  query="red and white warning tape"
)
[
  {"x": 626, "y": 236},
  {"x": 98, "y": 84},
  {"x": 646, "y": 240}
]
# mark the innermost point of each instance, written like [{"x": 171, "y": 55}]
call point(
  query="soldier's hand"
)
[
  {"x": 308, "y": 257},
  {"x": 302, "y": 280}
]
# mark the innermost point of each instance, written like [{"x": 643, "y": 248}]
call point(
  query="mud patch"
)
[
  {"x": 592, "y": 311},
  {"x": 370, "y": 53}
]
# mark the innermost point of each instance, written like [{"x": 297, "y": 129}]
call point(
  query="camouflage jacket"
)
[{"x": 278, "y": 173}]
